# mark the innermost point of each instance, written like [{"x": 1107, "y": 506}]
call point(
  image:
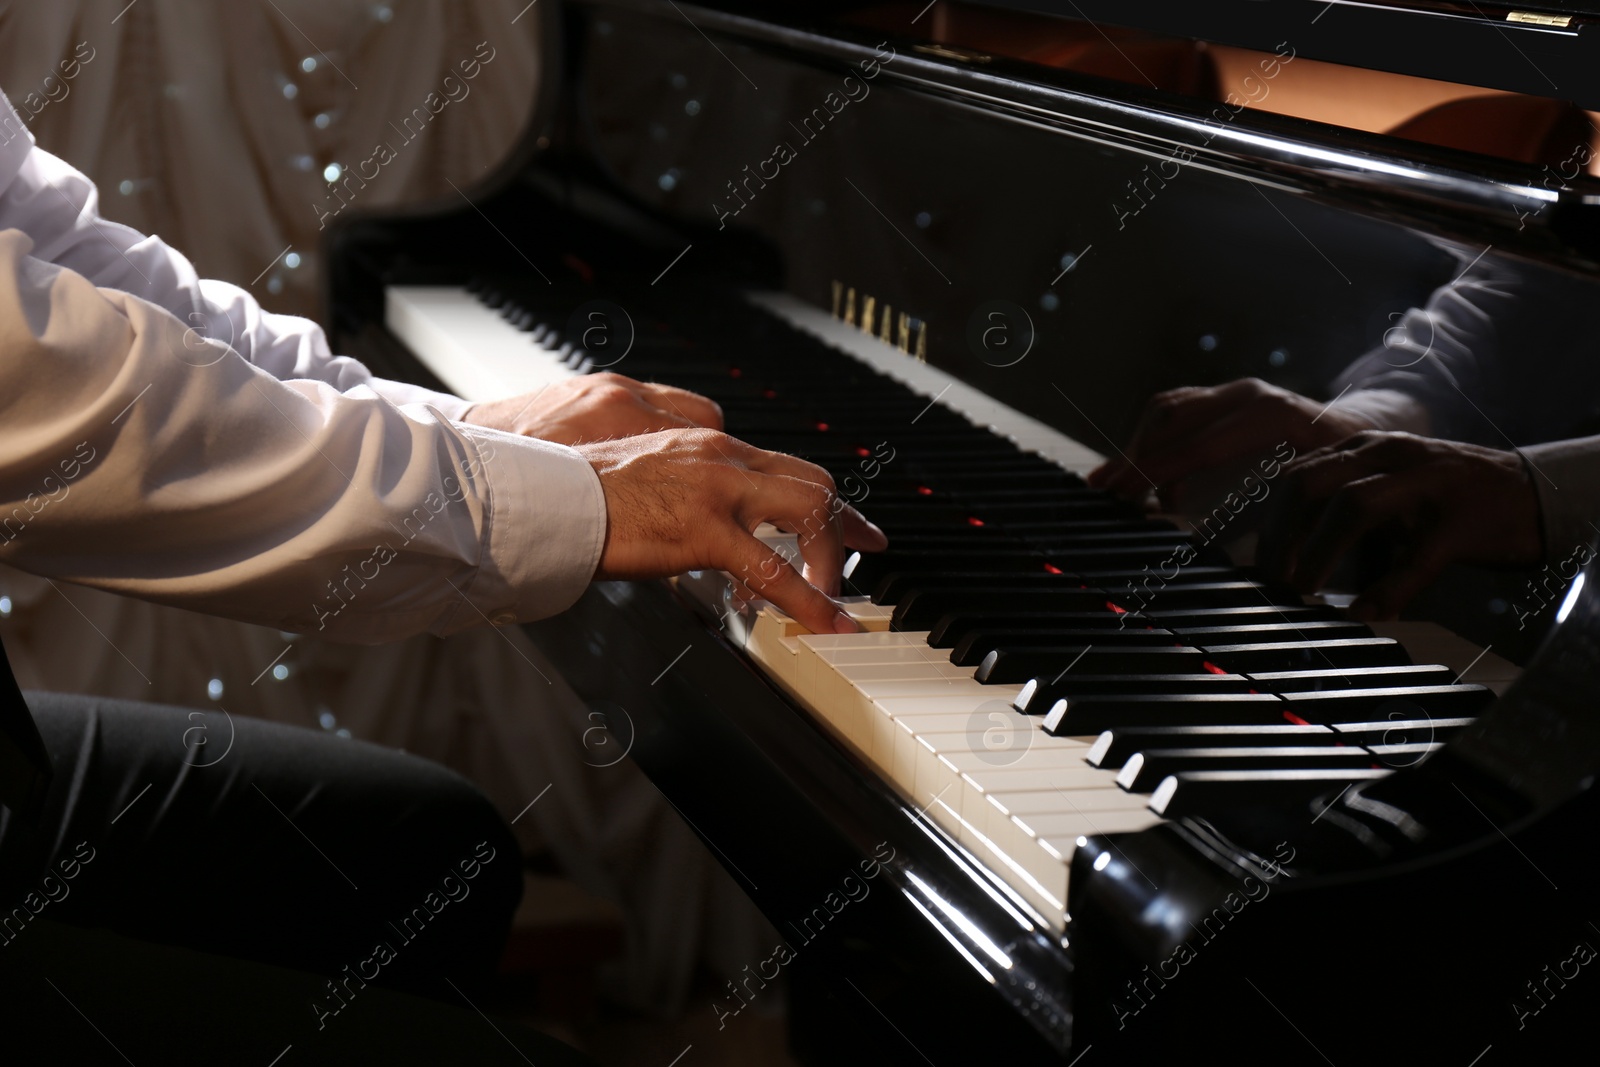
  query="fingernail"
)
[{"x": 844, "y": 624}]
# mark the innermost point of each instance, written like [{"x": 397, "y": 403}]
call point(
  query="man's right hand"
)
[
  {"x": 1185, "y": 431},
  {"x": 683, "y": 500}
]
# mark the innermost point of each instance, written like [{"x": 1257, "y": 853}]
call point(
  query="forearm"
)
[{"x": 129, "y": 464}]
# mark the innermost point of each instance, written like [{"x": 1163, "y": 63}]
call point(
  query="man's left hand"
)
[{"x": 597, "y": 407}]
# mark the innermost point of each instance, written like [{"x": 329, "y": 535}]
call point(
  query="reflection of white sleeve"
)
[
  {"x": 1386, "y": 409},
  {"x": 59, "y": 208},
  {"x": 1502, "y": 355},
  {"x": 128, "y": 464},
  {"x": 1437, "y": 357},
  {"x": 1566, "y": 475}
]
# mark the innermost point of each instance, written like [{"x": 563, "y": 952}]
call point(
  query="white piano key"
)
[
  {"x": 994, "y": 817},
  {"x": 467, "y": 345}
]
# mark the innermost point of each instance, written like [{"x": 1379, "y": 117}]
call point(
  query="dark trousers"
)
[{"x": 199, "y": 882}]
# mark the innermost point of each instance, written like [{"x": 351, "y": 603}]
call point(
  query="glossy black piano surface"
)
[{"x": 957, "y": 186}]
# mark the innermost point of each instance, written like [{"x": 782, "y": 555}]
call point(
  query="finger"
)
[
  {"x": 1118, "y": 475},
  {"x": 768, "y": 574},
  {"x": 785, "y": 464},
  {"x": 1309, "y": 482},
  {"x": 1285, "y": 519},
  {"x": 1293, "y": 512},
  {"x": 861, "y": 532},
  {"x": 1121, "y": 476},
  {"x": 809, "y": 511},
  {"x": 1353, "y": 512},
  {"x": 1236, "y": 436},
  {"x": 858, "y": 531},
  {"x": 1324, "y": 472},
  {"x": 693, "y": 408},
  {"x": 742, "y": 593},
  {"x": 1383, "y": 600},
  {"x": 1169, "y": 412},
  {"x": 1171, "y": 420}
]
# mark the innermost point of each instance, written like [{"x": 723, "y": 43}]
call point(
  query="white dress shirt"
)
[{"x": 163, "y": 437}]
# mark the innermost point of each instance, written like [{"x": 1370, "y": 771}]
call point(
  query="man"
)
[
  {"x": 1517, "y": 481},
  {"x": 163, "y": 437}
]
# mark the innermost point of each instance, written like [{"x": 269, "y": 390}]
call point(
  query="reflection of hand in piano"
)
[
  {"x": 685, "y": 500},
  {"x": 1449, "y": 502},
  {"x": 597, "y": 407},
  {"x": 1187, "y": 431}
]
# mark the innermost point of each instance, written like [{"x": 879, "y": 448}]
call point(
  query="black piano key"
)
[
  {"x": 1353, "y": 678},
  {"x": 1203, "y": 792},
  {"x": 921, "y": 601},
  {"x": 950, "y": 629},
  {"x": 1014, "y": 661},
  {"x": 980, "y": 589},
  {"x": 1080, "y": 715},
  {"x": 1106, "y": 555},
  {"x": 1006, "y": 666},
  {"x": 1087, "y": 715},
  {"x": 1157, "y": 659},
  {"x": 1113, "y": 747},
  {"x": 1230, "y": 594},
  {"x": 1103, "y": 629},
  {"x": 1240, "y": 615},
  {"x": 921, "y": 609},
  {"x": 1268, "y": 632},
  {"x": 976, "y": 647},
  {"x": 1123, "y": 579},
  {"x": 1410, "y": 701},
  {"x": 1039, "y": 695},
  {"x": 1143, "y": 771},
  {"x": 1041, "y": 511},
  {"x": 1354, "y": 652},
  {"x": 867, "y": 570},
  {"x": 1066, "y": 539}
]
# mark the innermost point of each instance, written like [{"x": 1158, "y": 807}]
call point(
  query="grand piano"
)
[{"x": 1044, "y": 809}]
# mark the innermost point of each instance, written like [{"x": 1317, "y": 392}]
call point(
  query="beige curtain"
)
[{"x": 213, "y": 125}]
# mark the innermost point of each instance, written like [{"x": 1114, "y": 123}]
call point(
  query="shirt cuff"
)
[
  {"x": 1566, "y": 476},
  {"x": 545, "y": 530},
  {"x": 1386, "y": 409},
  {"x": 400, "y": 394}
]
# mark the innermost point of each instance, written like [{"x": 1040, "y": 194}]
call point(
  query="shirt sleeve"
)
[
  {"x": 1566, "y": 476},
  {"x": 137, "y": 458},
  {"x": 59, "y": 208}
]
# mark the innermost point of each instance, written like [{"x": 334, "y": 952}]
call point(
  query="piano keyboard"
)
[{"x": 1000, "y": 687}]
